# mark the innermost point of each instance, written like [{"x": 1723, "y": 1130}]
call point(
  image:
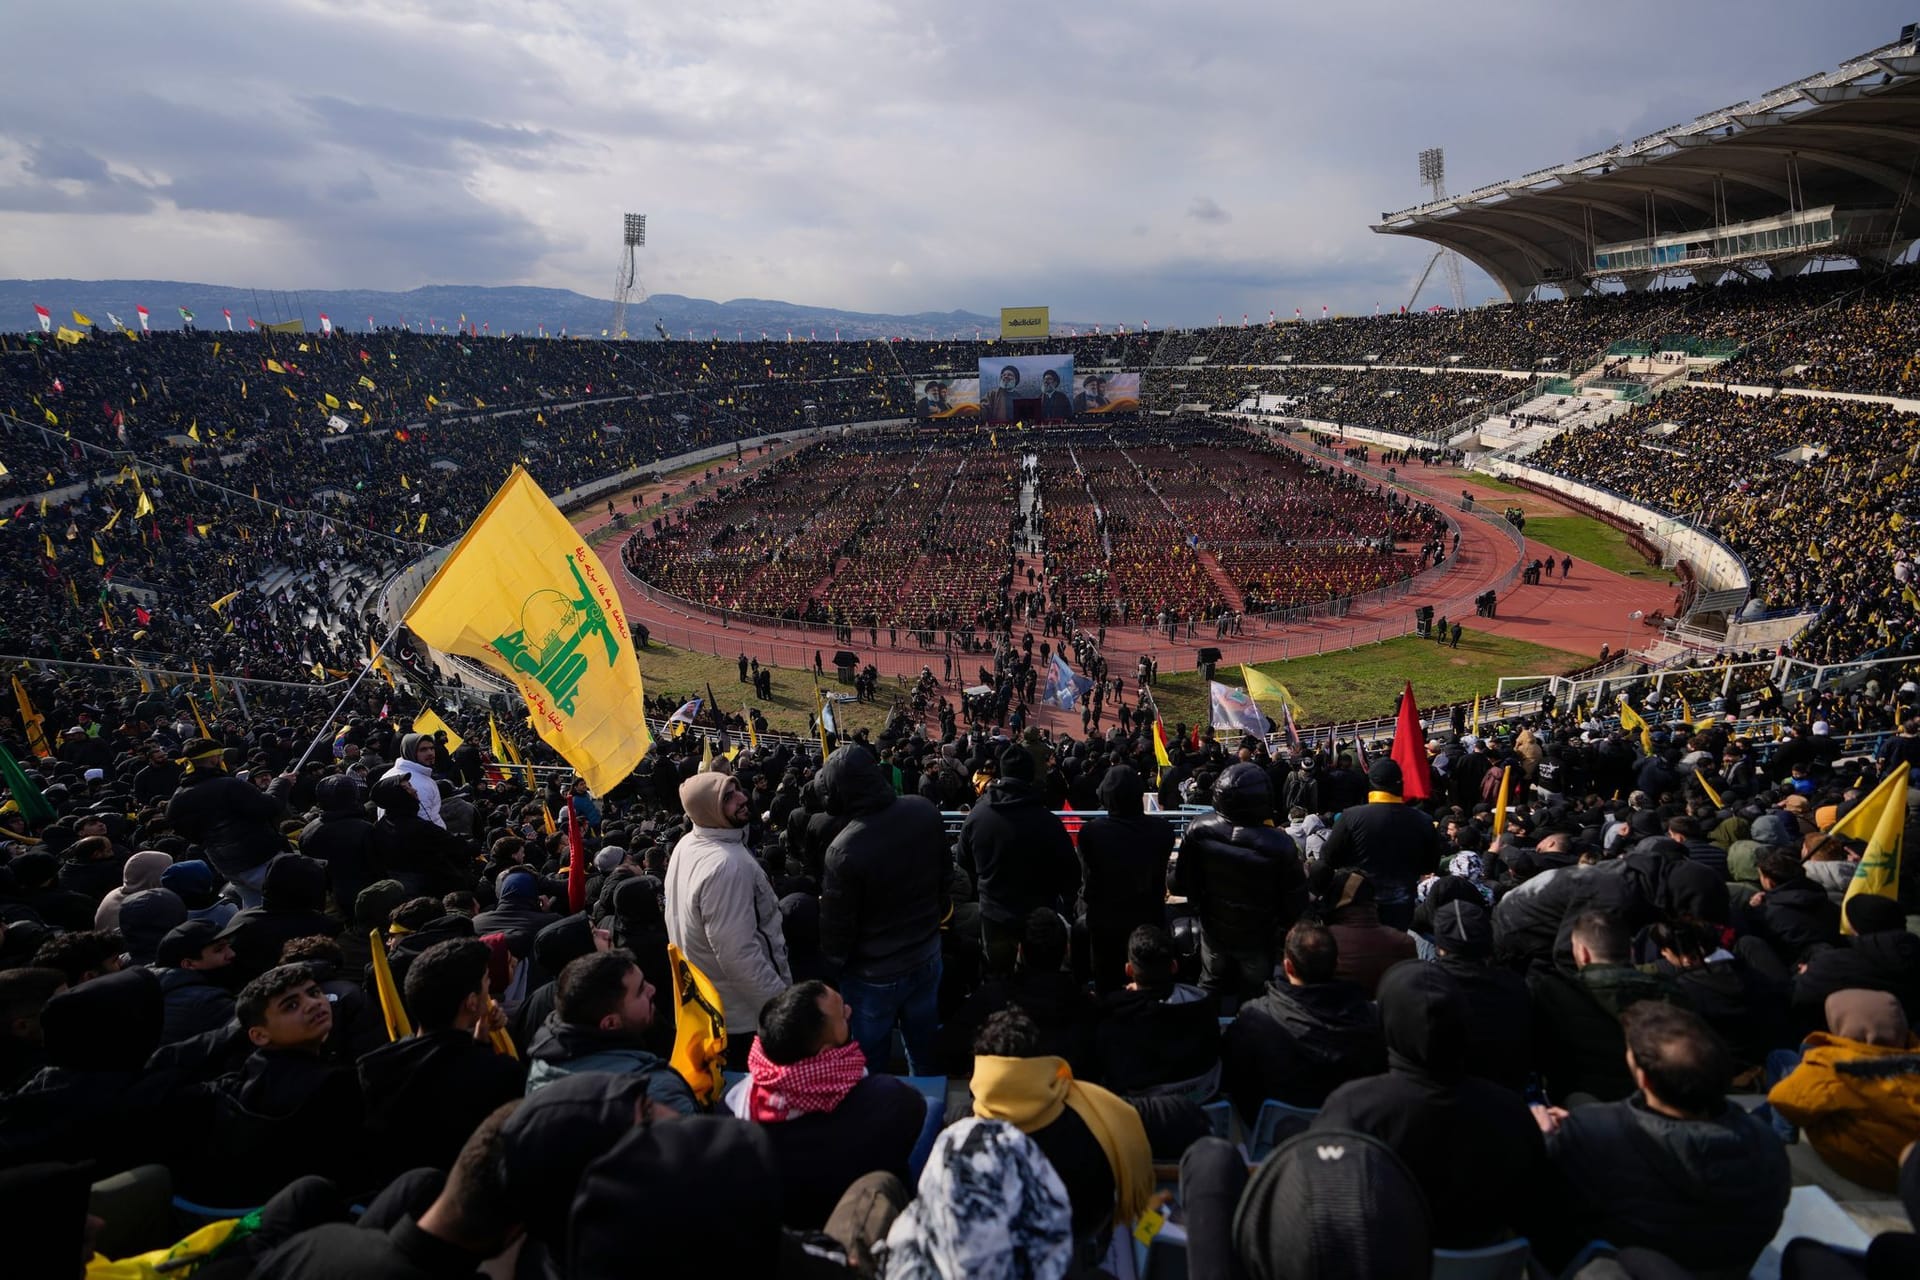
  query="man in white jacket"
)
[
  {"x": 416, "y": 764},
  {"x": 721, "y": 912}
]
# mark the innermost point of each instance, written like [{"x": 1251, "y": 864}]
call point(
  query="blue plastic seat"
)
[
  {"x": 932, "y": 1088},
  {"x": 1504, "y": 1261},
  {"x": 1267, "y": 1125},
  {"x": 1219, "y": 1118},
  {"x": 206, "y": 1212}
]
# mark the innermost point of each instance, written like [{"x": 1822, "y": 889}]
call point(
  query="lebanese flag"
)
[
  {"x": 252, "y": 323},
  {"x": 142, "y": 313},
  {"x": 1410, "y": 751},
  {"x": 326, "y": 326},
  {"x": 46, "y": 318},
  {"x": 229, "y": 315}
]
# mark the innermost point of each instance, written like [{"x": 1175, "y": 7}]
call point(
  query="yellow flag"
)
[
  {"x": 199, "y": 719},
  {"x": 274, "y": 366},
  {"x": 331, "y": 402},
  {"x": 99, "y": 556},
  {"x": 1500, "y": 805},
  {"x": 1261, "y": 686},
  {"x": 48, "y": 544},
  {"x": 753, "y": 739},
  {"x": 112, "y": 521},
  {"x": 546, "y": 819},
  {"x": 428, "y": 723},
  {"x": 144, "y": 507},
  {"x": 1631, "y": 719},
  {"x": 1707, "y": 787},
  {"x": 398, "y": 1026},
  {"x": 379, "y": 662},
  {"x": 403, "y": 481},
  {"x": 53, "y": 419},
  {"x": 1475, "y": 731},
  {"x": 523, "y": 593},
  {"x": 224, "y": 600},
  {"x": 68, "y": 336},
  {"x": 423, "y": 523},
  {"x": 32, "y": 719},
  {"x": 291, "y": 393},
  {"x": 1881, "y": 820},
  {"x": 83, "y": 321},
  {"x": 193, "y": 432},
  {"x": 366, "y": 382}
]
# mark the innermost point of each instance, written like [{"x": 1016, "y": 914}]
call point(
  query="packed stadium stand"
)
[{"x": 315, "y": 961}]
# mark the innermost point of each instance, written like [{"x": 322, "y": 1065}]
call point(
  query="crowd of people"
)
[{"x": 1536, "y": 1031}]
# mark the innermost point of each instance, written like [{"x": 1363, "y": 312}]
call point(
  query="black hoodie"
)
[
  {"x": 1124, "y": 858},
  {"x": 1472, "y": 1145},
  {"x": 884, "y": 889},
  {"x": 408, "y": 848},
  {"x": 293, "y": 905},
  {"x": 1298, "y": 1044},
  {"x": 427, "y": 1093}
]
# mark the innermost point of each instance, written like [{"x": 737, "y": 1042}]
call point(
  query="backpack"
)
[{"x": 1490, "y": 784}]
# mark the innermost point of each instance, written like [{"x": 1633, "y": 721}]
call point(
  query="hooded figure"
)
[
  {"x": 426, "y": 791},
  {"x": 294, "y": 906},
  {"x": 1123, "y": 861},
  {"x": 147, "y": 917},
  {"x": 721, "y": 910},
  {"x": 341, "y": 837},
  {"x": 1856, "y": 1091},
  {"x": 1471, "y": 1145},
  {"x": 1315, "y": 1208},
  {"x": 142, "y": 871},
  {"x": 990, "y": 1207},
  {"x": 712, "y": 1177},
  {"x": 883, "y": 899},
  {"x": 409, "y": 848},
  {"x": 1016, "y": 849},
  {"x": 518, "y": 914},
  {"x": 197, "y": 886},
  {"x": 93, "y": 1100},
  {"x": 1244, "y": 877}
]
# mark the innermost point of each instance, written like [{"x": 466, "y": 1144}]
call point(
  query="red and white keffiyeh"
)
[{"x": 815, "y": 1084}]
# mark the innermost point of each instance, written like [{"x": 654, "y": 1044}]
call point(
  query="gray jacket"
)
[{"x": 722, "y": 915}]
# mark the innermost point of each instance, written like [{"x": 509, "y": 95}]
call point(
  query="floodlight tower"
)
[
  {"x": 1433, "y": 174},
  {"x": 626, "y": 281}
]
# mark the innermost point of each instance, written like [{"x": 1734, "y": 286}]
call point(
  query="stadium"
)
[{"x": 1530, "y": 685}]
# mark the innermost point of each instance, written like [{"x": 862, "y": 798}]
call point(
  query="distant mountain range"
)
[{"x": 503, "y": 310}]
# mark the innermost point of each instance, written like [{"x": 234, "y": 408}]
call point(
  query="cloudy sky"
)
[{"x": 1158, "y": 160}]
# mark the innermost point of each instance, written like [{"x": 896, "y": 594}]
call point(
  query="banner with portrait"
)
[
  {"x": 1026, "y": 388},
  {"x": 936, "y": 398},
  {"x": 1106, "y": 393}
]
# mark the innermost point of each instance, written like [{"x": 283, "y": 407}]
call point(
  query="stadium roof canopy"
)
[{"x": 1821, "y": 168}]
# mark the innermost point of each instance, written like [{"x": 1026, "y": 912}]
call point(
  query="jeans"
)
[
  {"x": 1779, "y": 1065},
  {"x": 251, "y": 885},
  {"x": 911, "y": 1001}
]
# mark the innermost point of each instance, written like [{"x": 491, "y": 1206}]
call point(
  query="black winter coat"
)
[
  {"x": 884, "y": 885},
  {"x": 236, "y": 824},
  {"x": 1245, "y": 881},
  {"x": 1395, "y": 844},
  {"x": 1124, "y": 869},
  {"x": 1298, "y": 1044},
  {"x": 1018, "y": 853}
]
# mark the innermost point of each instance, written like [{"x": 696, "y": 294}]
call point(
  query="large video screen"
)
[
  {"x": 1106, "y": 393},
  {"x": 1027, "y": 388},
  {"x": 935, "y": 398}
]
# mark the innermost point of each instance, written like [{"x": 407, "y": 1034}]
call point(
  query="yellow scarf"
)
[
  {"x": 1383, "y": 797},
  {"x": 1029, "y": 1093}
]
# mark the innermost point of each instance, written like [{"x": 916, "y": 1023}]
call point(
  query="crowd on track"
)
[{"x": 299, "y": 982}]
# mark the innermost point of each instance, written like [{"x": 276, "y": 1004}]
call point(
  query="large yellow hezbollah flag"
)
[
  {"x": 1880, "y": 820},
  {"x": 523, "y": 593}
]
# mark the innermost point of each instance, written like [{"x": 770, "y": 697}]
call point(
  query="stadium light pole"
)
[{"x": 626, "y": 279}]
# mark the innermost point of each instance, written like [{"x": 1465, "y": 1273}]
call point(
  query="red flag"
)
[
  {"x": 1410, "y": 751},
  {"x": 577, "y": 865}
]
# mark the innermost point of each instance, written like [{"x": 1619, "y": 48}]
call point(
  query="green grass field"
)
[
  {"x": 682, "y": 674},
  {"x": 1595, "y": 541},
  {"x": 1502, "y": 486},
  {"x": 1361, "y": 684}
]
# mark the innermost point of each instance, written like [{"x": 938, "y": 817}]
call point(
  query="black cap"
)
[
  {"x": 1871, "y": 913},
  {"x": 1384, "y": 775},
  {"x": 1017, "y": 762},
  {"x": 1463, "y": 929},
  {"x": 185, "y": 941}
]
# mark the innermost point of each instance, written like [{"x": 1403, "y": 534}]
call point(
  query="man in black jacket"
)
[
  {"x": 1676, "y": 1167},
  {"x": 1305, "y": 1037},
  {"x": 236, "y": 825},
  {"x": 341, "y": 837},
  {"x": 1472, "y": 1145},
  {"x": 883, "y": 899},
  {"x": 1578, "y": 1045},
  {"x": 1158, "y": 1035},
  {"x": 1881, "y": 956},
  {"x": 425, "y": 1094},
  {"x": 293, "y": 905},
  {"x": 1499, "y": 1011},
  {"x": 1244, "y": 877},
  {"x": 1791, "y": 916},
  {"x": 1018, "y": 852},
  {"x": 1394, "y": 844},
  {"x": 1123, "y": 859}
]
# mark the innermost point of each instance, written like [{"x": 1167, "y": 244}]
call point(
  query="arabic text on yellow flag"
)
[
  {"x": 523, "y": 593},
  {"x": 1880, "y": 820},
  {"x": 429, "y": 723}
]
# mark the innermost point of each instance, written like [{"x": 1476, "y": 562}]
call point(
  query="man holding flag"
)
[
  {"x": 1394, "y": 843},
  {"x": 1882, "y": 955}
]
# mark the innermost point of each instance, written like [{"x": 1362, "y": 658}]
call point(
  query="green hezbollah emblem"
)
[{"x": 552, "y": 659}]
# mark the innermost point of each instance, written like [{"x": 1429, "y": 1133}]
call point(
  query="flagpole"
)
[{"x": 348, "y": 695}]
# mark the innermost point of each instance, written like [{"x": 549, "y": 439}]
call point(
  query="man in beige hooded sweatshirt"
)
[{"x": 721, "y": 912}]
